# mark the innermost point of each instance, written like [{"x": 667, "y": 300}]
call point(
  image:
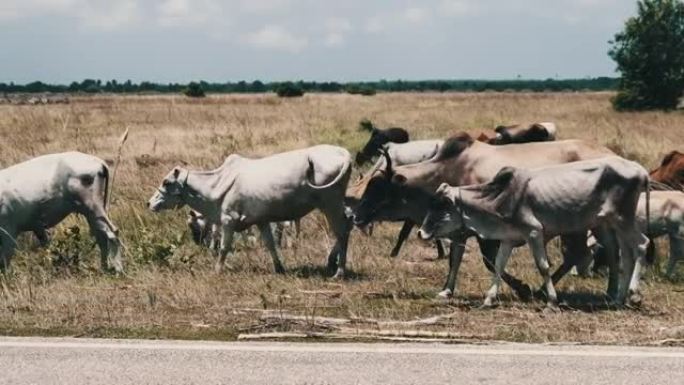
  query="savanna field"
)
[{"x": 171, "y": 291}]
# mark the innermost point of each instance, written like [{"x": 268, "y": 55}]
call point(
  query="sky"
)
[{"x": 58, "y": 41}]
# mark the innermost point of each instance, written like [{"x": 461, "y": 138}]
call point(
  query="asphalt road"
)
[{"x": 89, "y": 361}]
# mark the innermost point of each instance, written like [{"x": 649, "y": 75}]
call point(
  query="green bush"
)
[
  {"x": 289, "y": 90},
  {"x": 360, "y": 90},
  {"x": 194, "y": 90}
]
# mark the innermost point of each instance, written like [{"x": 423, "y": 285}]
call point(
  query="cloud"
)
[
  {"x": 186, "y": 12},
  {"x": 457, "y": 7},
  {"x": 97, "y": 14},
  {"x": 275, "y": 38},
  {"x": 374, "y": 25},
  {"x": 415, "y": 15},
  {"x": 336, "y": 30}
]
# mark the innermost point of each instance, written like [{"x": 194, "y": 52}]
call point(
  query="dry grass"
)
[{"x": 170, "y": 290}]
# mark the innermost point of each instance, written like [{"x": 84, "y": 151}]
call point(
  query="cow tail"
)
[
  {"x": 105, "y": 176},
  {"x": 345, "y": 170},
  {"x": 650, "y": 250}
]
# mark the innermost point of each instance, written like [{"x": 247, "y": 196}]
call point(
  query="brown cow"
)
[
  {"x": 671, "y": 171},
  {"x": 517, "y": 133}
]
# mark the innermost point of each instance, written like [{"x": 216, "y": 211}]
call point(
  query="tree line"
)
[{"x": 365, "y": 88}]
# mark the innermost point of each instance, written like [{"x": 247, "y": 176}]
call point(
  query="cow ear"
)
[
  {"x": 192, "y": 214},
  {"x": 669, "y": 157},
  {"x": 399, "y": 179}
]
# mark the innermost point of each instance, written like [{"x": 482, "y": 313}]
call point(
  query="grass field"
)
[{"x": 170, "y": 290}]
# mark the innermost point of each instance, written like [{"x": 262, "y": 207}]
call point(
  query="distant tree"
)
[
  {"x": 258, "y": 86},
  {"x": 356, "y": 89},
  {"x": 194, "y": 90},
  {"x": 649, "y": 54},
  {"x": 289, "y": 90}
]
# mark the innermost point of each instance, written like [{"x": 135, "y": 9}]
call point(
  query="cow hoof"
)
[
  {"x": 445, "y": 294},
  {"x": 524, "y": 292},
  {"x": 339, "y": 274},
  {"x": 218, "y": 268},
  {"x": 489, "y": 304},
  {"x": 551, "y": 307},
  {"x": 280, "y": 270},
  {"x": 635, "y": 300}
]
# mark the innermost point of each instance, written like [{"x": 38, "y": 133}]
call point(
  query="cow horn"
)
[{"x": 388, "y": 168}]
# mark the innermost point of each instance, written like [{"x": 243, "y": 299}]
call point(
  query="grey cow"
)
[
  {"x": 38, "y": 194},
  {"x": 244, "y": 192},
  {"x": 533, "y": 206}
]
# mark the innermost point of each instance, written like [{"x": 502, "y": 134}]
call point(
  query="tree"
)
[
  {"x": 649, "y": 54},
  {"x": 194, "y": 90},
  {"x": 289, "y": 90}
]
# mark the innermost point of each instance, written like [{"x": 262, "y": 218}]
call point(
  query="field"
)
[{"x": 171, "y": 291}]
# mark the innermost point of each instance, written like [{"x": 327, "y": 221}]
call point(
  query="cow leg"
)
[
  {"x": 213, "y": 235},
  {"x": 676, "y": 251},
  {"x": 638, "y": 244},
  {"x": 341, "y": 227},
  {"x": 440, "y": 249},
  {"x": 42, "y": 236},
  {"x": 607, "y": 239},
  {"x": 8, "y": 244},
  {"x": 277, "y": 229},
  {"x": 107, "y": 242},
  {"x": 489, "y": 249},
  {"x": 267, "y": 236},
  {"x": 502, "y": 256},
  {"x": 536, "y": 242},
  {"x": 455, "y": 256},
  {"x": 575, "y": 253},
  {"x": 403, "y": 234},
  {"x": 227, "y": 233}
]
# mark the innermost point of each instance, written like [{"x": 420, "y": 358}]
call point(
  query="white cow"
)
[
  {"x": 282, "y": 187},
  {"x": 38, "y": 194},
  {"x": 534, "y": 206},
  {"x": 207, "y": 234},
  {"x": 665, "y": 218}
]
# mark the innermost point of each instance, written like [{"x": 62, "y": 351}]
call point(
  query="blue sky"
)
[{"x": 229, "y": 40}]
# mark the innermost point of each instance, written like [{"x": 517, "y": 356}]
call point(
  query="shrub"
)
[
  {"x": 360, "y": 90},
  {"x": 194, "y": 90},
  {"x": 289, "y": 90}
]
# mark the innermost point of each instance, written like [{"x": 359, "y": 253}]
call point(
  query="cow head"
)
[
  {"x": 378, "y": 139},
  {"x": 169, "y": 194},
  {"x": 537, "y": 132},
  {"x": 671, "y": 170},
  {"x": 444, "y": 216},
  {"x": 386, "y": 197}
]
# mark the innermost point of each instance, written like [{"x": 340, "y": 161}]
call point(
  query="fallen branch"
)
[{"x": 272, "y": 315}]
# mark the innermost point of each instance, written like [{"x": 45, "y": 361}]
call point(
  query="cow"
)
[
  {"x": 206, "y": 234},
  {"x": 244, "y": 192},
  {"x": 395, "y": 142},
  {"x": 378, "y": 139},
  {"x": 534, "y": 206},
  {"x": 405, "y": 191},
  {"x": 665, "y": 218},
  {"x": 37, "y": 194},
  {"x": 671, "y": 171},
  {"x": 516, "y": 133},
  {"x": 401, "y": 154}
]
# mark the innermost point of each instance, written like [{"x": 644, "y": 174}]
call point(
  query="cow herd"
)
[{"x": 517, "y": 186}]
